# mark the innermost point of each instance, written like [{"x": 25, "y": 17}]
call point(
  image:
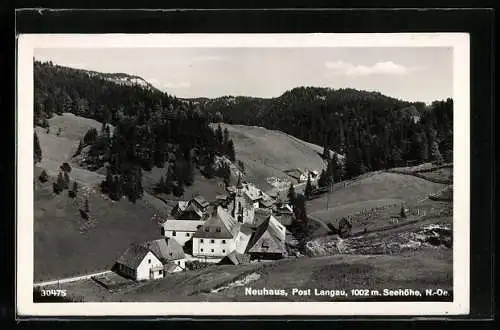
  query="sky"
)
[{"x": 408, "y": 73}]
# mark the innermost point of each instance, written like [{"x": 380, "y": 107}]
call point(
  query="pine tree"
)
[
  {"x": 226, "y": 136},
  {"x": 309, "y": 189},
  {"x": 160, "y": 186},
  {"x": 72, "y": 193},
  {"x": 169, "y": 178},
  {"x": 219, "y": 134},
  {"x": 44, "y": 177},
  {"x": 66, "y": 180},
  {"x": 37, "y": 151},
  {"x": 436, "y": 154},
  {"x": 291, "y": 194},
  {"x": 59, "y": 184},
  {"x": 230, "y": 150}
]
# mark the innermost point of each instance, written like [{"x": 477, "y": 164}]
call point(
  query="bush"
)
[
  {"x": 44, "y": 177},
  {"x": 65, "y": 167}
]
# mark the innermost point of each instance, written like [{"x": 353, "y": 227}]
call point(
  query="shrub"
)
[{"x": 44, "y": 177}]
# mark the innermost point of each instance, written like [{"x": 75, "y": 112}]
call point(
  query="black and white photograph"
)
[{"x": 233, "y": 169}]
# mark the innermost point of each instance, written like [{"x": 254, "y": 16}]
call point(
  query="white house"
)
[
  {"x": 180, "y": 230},
  {"x": 139, "y": 263},
  {"x": 216, "y": 237},
  {"x": 242, "y": 238},
  {"x": 169, "y": 252}
]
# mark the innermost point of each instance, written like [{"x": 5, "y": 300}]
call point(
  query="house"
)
[
  {"x": 268, "y": 241},
  {"x": 222, "y": 200},
  {"x": 235, "y": 258},
  {"x": 242, "y": 207},
  {"x": 243, "y": 237},
  {"x": 216, "y": 237},
  {"x": 200, "y": 202},
  {"x": 139, "y": 263},
  {"x": 180, "y": 230},
  {"x": 261, "y": 215},
  {"x": 179, "y": 208},
  {"x": 284, "y": 209},
  {"x": 191, "y": 212},
  {"x": 169, "y": 252}
]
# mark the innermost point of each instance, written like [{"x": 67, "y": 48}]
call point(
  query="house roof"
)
[
  {"x": 261, "y": 215},
  {"x": 182, "y": 225},
  {"x": 201, "y": 201},
  {"x": 268, "y": 238},
  {"x": 236, "y": 258},
  {"x": 220, "y": 224},
  {"x": 193, "y": 208},
  {"x": 165, "y": 249},
  {"x": 170, "y": 267},
  {"x": 181, "y": 205},
  {"x": 133, "y": 256}
]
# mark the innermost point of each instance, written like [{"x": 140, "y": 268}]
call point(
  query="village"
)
[{"x": 243, "y": 226}]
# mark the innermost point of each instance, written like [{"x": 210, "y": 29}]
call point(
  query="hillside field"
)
[
  {"x": 267, "y": 153},
  {"x": 65, "y": 244},
  {"x": 421, "y": 269},
  {"x": 376, "y": 186}
]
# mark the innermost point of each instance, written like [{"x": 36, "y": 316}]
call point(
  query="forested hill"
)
[
  {"x": 151, "y": 128},
  {"x": 373, "y": 130}
]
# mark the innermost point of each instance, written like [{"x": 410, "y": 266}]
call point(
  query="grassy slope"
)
[
  {"x": 63, "y": 249},
  {"x": 268, "y": 153},
  {"x": 421, "y": 269},
  {"x": 376, "y": 186}
]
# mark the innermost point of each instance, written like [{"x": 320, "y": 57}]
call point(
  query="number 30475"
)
[{"x": 53, "y": 293}]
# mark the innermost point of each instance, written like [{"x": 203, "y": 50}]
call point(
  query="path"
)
[{"x": 70, "y": 279}]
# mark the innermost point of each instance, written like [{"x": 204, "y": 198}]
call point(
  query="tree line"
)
[
  {"x": 372, "y": 130},
  {"x": 141, "y": 128}
]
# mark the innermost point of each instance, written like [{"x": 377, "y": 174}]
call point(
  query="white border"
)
[{"x": 24, "y": 284}]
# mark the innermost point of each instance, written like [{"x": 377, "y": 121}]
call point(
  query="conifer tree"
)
[
  {"x": 66, "y": 180},
  {"x": 291, "y": 194},
  {"x": 230, "y": 150},
  {"x": 44, "y": 177},
  {"x": 37, "y": 151},
  {"x": 436, "y": 154},
  {"x": 219, "y": 134},
  {"x": 308, "y": 189}
]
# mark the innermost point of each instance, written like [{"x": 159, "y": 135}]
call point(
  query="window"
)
[
  {"x": 223, "y": 241},
  {"x": 218, "y": 230},
  {"x": 171, "y": 253},
  {"x": 207, "y": 230},
  {"x": 201, "y": 250},
  {"x": 201, "y": 240},
  {"x": 223, "y": 251},
  {"x": 212, "y": 241},
  {"x": 149, "y": 261},
  {"x": 174, "y": 233},
  {"x": 187, "y": 234},
  {"x": 212, "y": 250},
  {"x": 160, "y": 272}
]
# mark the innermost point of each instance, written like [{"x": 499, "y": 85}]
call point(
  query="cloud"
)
[
  {"x": 207, "y": 58},
  {"x": 176, "y": 85},
  {"x": 385, "y": 68}
]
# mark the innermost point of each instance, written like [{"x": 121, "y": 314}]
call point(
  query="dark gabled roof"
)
[
  {"x": 268, "y": 238},
  {"x": 220, "y": 224},
  {"x": 201, "y": 201},
  {"x": 133, "y": 256},
  {"x": 236, "y": 258},
  {"x": 165, "y": 249},
  {"x": 261, "y": 215}
]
